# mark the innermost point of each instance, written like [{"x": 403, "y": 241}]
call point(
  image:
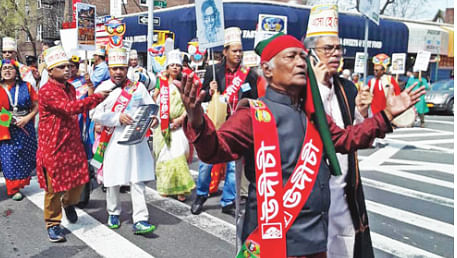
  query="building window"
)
[{"x": 39, "y": 32}]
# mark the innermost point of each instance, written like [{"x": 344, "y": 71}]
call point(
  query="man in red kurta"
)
[
  {"x": 284, "y": 65},
  {"x": 379, "y": 86},
  {"x": 62, "y": 166}
]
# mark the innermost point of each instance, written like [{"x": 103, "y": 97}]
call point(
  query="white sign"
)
[
  {"x": 370, "y": 8},
  {"x": 269, "y": 25},
  {"x": 250, "y": 58},
  {"x": 398, "y": 63},
  {"x": 115, "y": 9},
  {"x": 360, "y": 62},
  {"x": 422, "y": 60},
  {"x": 210, "y": 23}
]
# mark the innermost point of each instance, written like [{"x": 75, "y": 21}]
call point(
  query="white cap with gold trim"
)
[
  {"x": 232, "y": 35},
  {"x": 55, "y": 56},
  {"x": 133, "y": 54},
  {"x": 9, "y": 44},
  {"x": 323, "y": 21},
  {"x": 117, "y": 57}
]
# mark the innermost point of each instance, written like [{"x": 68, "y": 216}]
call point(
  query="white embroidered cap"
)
[
  {"x": 55, "y": 56},
  {"x": 9, "y": 44},
  {"x": 117, "y": 57},
  {"x": 232, "y": 35},
  {"x": 133, "y": 54},
  {"x": 323, "y": 21},
  {"x": 174, "y": 57}
]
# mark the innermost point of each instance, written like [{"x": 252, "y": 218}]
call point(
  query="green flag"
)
[
  {"x": 5, "y": 118},
  {"x": 320, "y": 120}
]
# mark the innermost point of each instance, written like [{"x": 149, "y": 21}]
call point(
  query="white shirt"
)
[{"x": 341, "y": 233}]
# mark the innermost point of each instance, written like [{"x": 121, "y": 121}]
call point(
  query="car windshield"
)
[{"x": 443, "y": 85}]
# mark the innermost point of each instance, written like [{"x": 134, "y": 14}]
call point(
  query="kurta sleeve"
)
[
  {"x": 230, "y": 142},
  {"x": 60, "y": 104},
  {"x": 359, "y": 136},
  {"x": 103, "y": 114}
]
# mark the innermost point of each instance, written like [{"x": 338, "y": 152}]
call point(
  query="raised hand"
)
[
  {"x": 395, "y": 105},
  {"x": 363, "y": 100},
  {"x": 191, "y": 99}
]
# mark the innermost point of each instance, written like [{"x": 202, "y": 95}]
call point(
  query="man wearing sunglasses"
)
[
  {"x": 347, "y": 213},
  {"x": 379, "y": 86},
  {"x": 9, "y": 52},
  {"x": 62, "y": 166}
]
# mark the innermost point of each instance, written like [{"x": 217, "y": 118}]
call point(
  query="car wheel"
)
[{"x": 450, "y": 106}]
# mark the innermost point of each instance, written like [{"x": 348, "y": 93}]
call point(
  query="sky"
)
[{"x": 434, "y": 5}]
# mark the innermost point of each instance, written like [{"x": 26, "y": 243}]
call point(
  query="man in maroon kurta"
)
[
  {"x": 284, "y": 66},
  {"x": 62, "y": 166}
]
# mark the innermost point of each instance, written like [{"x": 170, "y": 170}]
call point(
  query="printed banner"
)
[
  {"x": 268, "y": 25},
  {"x": 85, "y": 23}
]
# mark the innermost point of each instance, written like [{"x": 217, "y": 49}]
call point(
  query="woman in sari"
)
[
  {"x": 170, "y": 143},
  {"x": 18, "y": 155}
]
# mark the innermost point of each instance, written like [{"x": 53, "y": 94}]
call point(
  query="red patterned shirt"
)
[{"x": 60, "y": 150}]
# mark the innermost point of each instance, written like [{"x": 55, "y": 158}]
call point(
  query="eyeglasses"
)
[
  {"x": 8, "y": 68},
  {"x": 330, "y": 49},
  {"x": 63, "y": 66}
]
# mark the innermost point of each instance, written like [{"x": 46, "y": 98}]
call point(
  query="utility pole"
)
[{"x": 150, "y": 33}]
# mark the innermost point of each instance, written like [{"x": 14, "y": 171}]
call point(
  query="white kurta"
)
[
  {"x": 341, "y": 233},
  {"x": 123, "y": 164}
]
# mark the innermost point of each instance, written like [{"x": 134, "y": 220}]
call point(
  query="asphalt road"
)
[{"x": 408, "y": 183}]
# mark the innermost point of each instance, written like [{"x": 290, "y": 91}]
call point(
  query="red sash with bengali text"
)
[
  {"x": 107, "y": 132},
  {"x": 278, "y": 207},
  {"x": 164, "y": 104},
  {"x": 231, "y": 91}
]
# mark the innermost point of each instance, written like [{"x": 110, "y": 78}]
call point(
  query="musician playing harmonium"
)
[{"x": 123, "y": 164}]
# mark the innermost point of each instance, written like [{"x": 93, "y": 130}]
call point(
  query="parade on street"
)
[{"x": 226, "y": 128}]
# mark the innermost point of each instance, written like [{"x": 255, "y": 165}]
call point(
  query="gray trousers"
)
[{"x": 137, "y": 193}]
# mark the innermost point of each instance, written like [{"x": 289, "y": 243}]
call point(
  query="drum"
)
[{"x": 405, "y": 119}]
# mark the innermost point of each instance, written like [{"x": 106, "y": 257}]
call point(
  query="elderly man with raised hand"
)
[
  {"x": 101, "y": 72},
  {"x": 270, "y": 135},
  {"x": 347, "y": 212}
]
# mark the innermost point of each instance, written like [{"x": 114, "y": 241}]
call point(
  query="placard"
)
[
  {"x": 85, "y": 23},
  {"x": 370, "y": 8},
  {"x": 269, "y": 25},
  {"x": 398, "y": 63},
  {"x": 360, "y": 62},
  {"x": 422, "y": 60},
  {"x": 210, "y": 23}
]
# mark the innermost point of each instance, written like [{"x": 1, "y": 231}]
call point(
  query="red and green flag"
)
[{"x": 5, "y": 118}]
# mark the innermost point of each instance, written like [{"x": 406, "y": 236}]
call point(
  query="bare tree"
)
[{"x": 404, "y": 8}]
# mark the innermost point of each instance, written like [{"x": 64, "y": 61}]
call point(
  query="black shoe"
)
[
  {"x": 197, "y": 206},
  {"x": 229, "y": 209},
  {"x": 124, "y": 189},
  {"x": 71, "y": 214}
]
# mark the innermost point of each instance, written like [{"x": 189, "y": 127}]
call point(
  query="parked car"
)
[{"x": 441, "y": 96}]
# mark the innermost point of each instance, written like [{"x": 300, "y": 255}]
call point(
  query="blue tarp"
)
[{"x": 393, "y": 35}]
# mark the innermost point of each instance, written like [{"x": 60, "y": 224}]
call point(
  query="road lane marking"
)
[
  {"x": 408, "y": 192},
  {"x": 421, "y": 135},
  {"x": 410, "y": 176},
  {"x": 204, "y": 221},
  {"x": 411, "y": 218},
  {"x": 439, "y": 121},
  {"x": 419, "y": 145},
  {"x": 96, "y": 235},
  {"x": 398, "y": 248}
]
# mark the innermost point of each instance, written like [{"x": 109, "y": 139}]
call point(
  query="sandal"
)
[
  {"x": 17, "y": 196},
  {"x": 181, "y": 198}
]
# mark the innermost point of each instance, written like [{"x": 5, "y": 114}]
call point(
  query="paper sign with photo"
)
[
  {"x": 398, "y": 63},
  {"x": 85, "y": 22},
  {"x": 268, "y": 25},
  {"x": 210, "y": 23},
  {"x": 359, "y": 64}
]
